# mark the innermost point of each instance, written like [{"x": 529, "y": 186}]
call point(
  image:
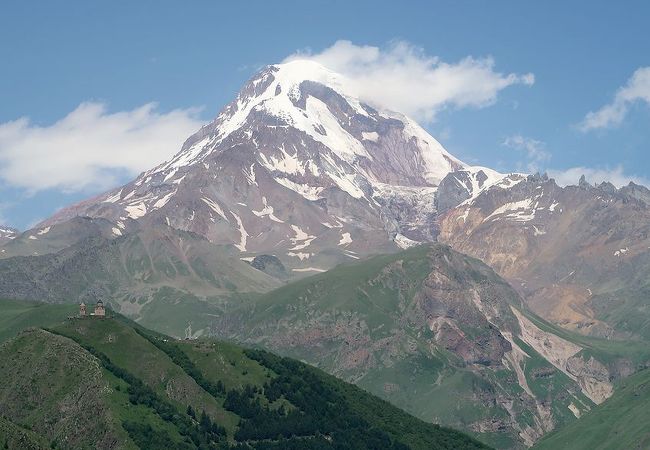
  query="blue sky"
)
[{"x": 190, "y": 58}]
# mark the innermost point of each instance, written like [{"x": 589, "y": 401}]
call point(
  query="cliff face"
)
[{"x": 579, "y": 254}]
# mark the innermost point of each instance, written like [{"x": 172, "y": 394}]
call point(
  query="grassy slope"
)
[
  {"x": 13, "y": 436},
  {"x": 56, "y": 389},
  {"x": 146, "y": 362},
  {"x": 32, "y": 361},
  {"x": 623, "y": 421},
  {"x": 16, "y": 316}
]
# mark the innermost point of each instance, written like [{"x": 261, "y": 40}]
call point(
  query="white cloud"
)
[
  {"x": 90, "y": 147},
  {"x": 403, "y": 78},
  {"x": 636, "y": 89},
  {"x": 616, "y": 176},
  {"x": 535, "y": 151}
]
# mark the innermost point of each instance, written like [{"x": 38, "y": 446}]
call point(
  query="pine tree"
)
[
  {"x": 205, "y": 422},
  {"x": 190, "y": 412}
]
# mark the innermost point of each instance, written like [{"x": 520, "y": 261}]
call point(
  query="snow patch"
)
[
  {"x": 289, "y": 164},
  {"x": 243, "y": 233},
  {"x": 309, "y": 192},
  {"x": 301, "y": 240},
  {"x": 309, "y": 269},
  {"x": 299, "y": 255},
  {"x": 163, "y": 201},
  {"x": 250, "y": 175},
  {"x": 464, "y": 216},
  {"x": 372, "y": 136},
  {"x": 403, "y": 242},
  {"x": 621, "y": 252},
  {"x": 113, "y": 198},
  {"x": 330, "y": 225},
  {"x": 517, "y": 211},
  {"x": 267, "y": 211},
  {"x": 215, "y": 207},
  {"x": 44, "y": 231},
  {"x": 136, "y": 210},
  {"x": 345, "y": 239},
  {"x": 537, "y": 231}
]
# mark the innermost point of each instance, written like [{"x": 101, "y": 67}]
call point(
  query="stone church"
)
[{"x": 100, "y": 311}]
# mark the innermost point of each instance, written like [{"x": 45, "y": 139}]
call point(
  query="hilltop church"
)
[{"x": 100, "y": 311}]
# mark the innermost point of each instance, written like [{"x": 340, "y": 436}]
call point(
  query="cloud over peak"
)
[{"x": 404, "y": 78}]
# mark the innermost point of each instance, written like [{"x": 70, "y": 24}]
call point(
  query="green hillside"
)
[
  {"x": 440, "y": 335},
  {"x": 108, "y": 384},
  {"x": 14, "y": 437},
  {"x": 621, "y": 422},
  {"x": 16, "y": 316}
]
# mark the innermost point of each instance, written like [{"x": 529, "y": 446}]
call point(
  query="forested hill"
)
[{"x": 108, "y": 384}]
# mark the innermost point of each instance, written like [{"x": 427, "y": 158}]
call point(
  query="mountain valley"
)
[{"x": 312, "y": 224}]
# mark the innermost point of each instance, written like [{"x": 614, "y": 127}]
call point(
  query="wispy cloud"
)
[
  {"x": 636, "y": 89},
  {"x": 90, "y": 147},
  {"x": 537, "y": 157},
  {"x": 616, "y": 176},
  {"x": 404, "y": 78},
  {"x": 534, "y": 151}
]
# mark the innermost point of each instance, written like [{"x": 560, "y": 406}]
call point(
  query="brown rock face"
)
[{"x": 577, "y": 254}]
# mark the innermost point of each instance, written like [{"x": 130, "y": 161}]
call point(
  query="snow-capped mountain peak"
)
[
  {"x": 310, "y": 98},
  {"x": 293, "y": 166}
]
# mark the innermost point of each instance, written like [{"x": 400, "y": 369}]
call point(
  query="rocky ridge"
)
[{"x": 578, "y": 254}]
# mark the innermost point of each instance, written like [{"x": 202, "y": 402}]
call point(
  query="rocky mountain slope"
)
[
  {"x": 439, "y": 334},
  {"x": 101, "y": 383},
  {"x": 296, "y": 166},
  {"x": 51, "y": 239},
  {"x": 620, "y": 422},
  {"x": 7, "y": 234},
  {"x": 579, "y": 254},
  {"x": 158, "y": 275}
]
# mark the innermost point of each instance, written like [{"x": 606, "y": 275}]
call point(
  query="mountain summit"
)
[{"x": 299, "y": 167}]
